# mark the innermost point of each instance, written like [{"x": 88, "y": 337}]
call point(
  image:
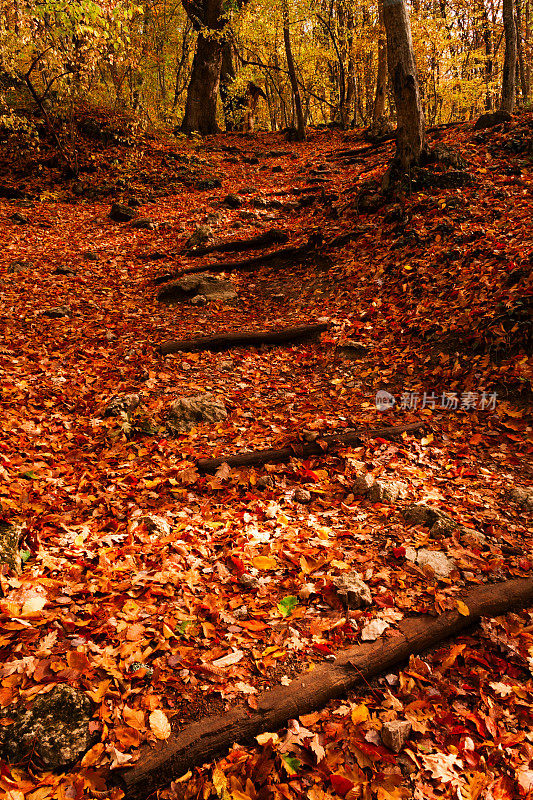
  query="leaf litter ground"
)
[{"x": 235, "y": 594}]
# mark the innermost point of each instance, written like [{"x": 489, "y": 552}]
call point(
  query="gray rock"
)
[
  {"x": 233, "y": 201},
  {"x": 353, "y": 350},
  {"x": 121, "y": 213},
  {"x": 472, "y": 538},
  {"x": 352, "y": 590},
  {"x": 265, "y": 482},
  {"x": 394, "y": 734},
  {"x": 202, "y": 234},
  {"x": 188, "y": 412},
  {"x": 143, "y": 223},
  {"x": 385, "y": 492},
  {"x": 64, "y": 271},
  {"x": 301, "y": 495},
  {"x": 249, "y": 581},
  {"x": 122, "y": 405},
  {"x": 57, "y": 312},
  {"x": 199, "y": 300},
  {"x": 190, "y": 286},
  {"x": 489, "y": 120},
  {"x": 438, "y": 562},
  {"x": 431, "y": 517},
  {"x": 10, "y": 536},
  {"x": 19, "y": 218},
  {"x": 523, "y": 495},
  {"x": 54, "y": 732},
  {"x": 156, "y": 526},
  {"x": 363, "y": 484},
  {"x": 444, "y": 526},
  {"x": 20, "y": 266}
]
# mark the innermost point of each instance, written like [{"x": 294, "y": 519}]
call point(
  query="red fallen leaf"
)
[
  {"x": 399, "y": 552},
  {"x": 341, "y": 785},
  {"x": 322, "y": 648},
  {"x": 525, "y": 564},
  {"x": 503, "y": 789},
  {"x": 240, "y": 569},
  {"x": 78, "y": 661}
]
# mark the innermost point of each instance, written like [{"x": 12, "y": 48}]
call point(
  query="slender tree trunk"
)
[
  {"x": 381, "y": 81},
  {"x": 520, "y": 47},
  {"x": 527, "y": 29},
  {"x": 227, "y": 76},
  {"x": 510, "y": 60},
  {"x": 350, "y": 78},
  {"x": 300, "y": 121},
  {"x": 410, "y": 136},
  {"x": 488, "y": 41}
]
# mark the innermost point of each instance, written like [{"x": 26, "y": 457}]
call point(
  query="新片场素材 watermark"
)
[{"x": 451, "y": 401}]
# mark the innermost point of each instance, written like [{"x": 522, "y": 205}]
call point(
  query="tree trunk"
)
[
  {"x": 381, "y": 81},
  {"x": 227, "y": 76},
  {"x": 510, "y": 60},
  {"x": 489, "y": 63},
  {"x": 300, "y": 121},
  {"x": 201, "y": 107},
  {"x": 410, "y": 136},
  {"x": 520, "y": 47}
]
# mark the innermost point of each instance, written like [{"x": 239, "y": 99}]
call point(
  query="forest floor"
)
[{"x": 237, "y": 593}]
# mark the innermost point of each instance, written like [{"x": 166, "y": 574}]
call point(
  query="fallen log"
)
[
  {"x": 239, "y": 245},
  {"x": 303, "y": 449},
  {"x": 243, "y": 339},
  {"x": 276, "y": 258},
  {"x": 202, "y": 741}
]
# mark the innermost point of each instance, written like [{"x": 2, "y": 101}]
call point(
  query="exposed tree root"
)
[
  {"x": 303, "y": 450},
  {"x": 238, "y": 245},
  {"x": 276, "y": 258},
  {"x": 244, "y": 339},
  {"x": 202, "y": 741}
]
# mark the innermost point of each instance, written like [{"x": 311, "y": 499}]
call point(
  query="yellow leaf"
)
[
  {"x": 452, "y": 658},
  {"x": 33, "y": 606},
  {"x": 360, "y": 714},
  {"x": 265, "y": 738},
  {"x": 463, "y": 609},
  {"x": 91, "y": 757},
  {"x": 265, "y": 562},
  {"x": 168, "y": 633},
  {"x": 426, "y": 440},
  {"x": 304, "y": 566},
  {"x": 236, "y": 795},
  {"x": 99, "y": 693},
  {"x": 159, "y": 724},
  {"x": 133, "y": 717}
]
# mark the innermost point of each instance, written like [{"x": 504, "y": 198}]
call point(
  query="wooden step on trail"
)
[
  {"x": 322, "y": 446},
  {"x": 244, "y": 339}
]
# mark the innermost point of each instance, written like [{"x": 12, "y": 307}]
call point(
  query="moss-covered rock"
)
[
  {"x": 10, "y": 536},
  {"x": 52, "y": 733}
]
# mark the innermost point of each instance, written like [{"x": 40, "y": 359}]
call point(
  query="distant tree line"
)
[{"x": 206, "y": 65}]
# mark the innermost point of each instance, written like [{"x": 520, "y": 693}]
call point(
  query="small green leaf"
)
[
  {"x": 24, "y": 555},
  {"x": 291, "y": 764},
  {"x": 29, "y": 475},
  {"x": 287, "y": 605},
  {"x": 182, "y": 627}
]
